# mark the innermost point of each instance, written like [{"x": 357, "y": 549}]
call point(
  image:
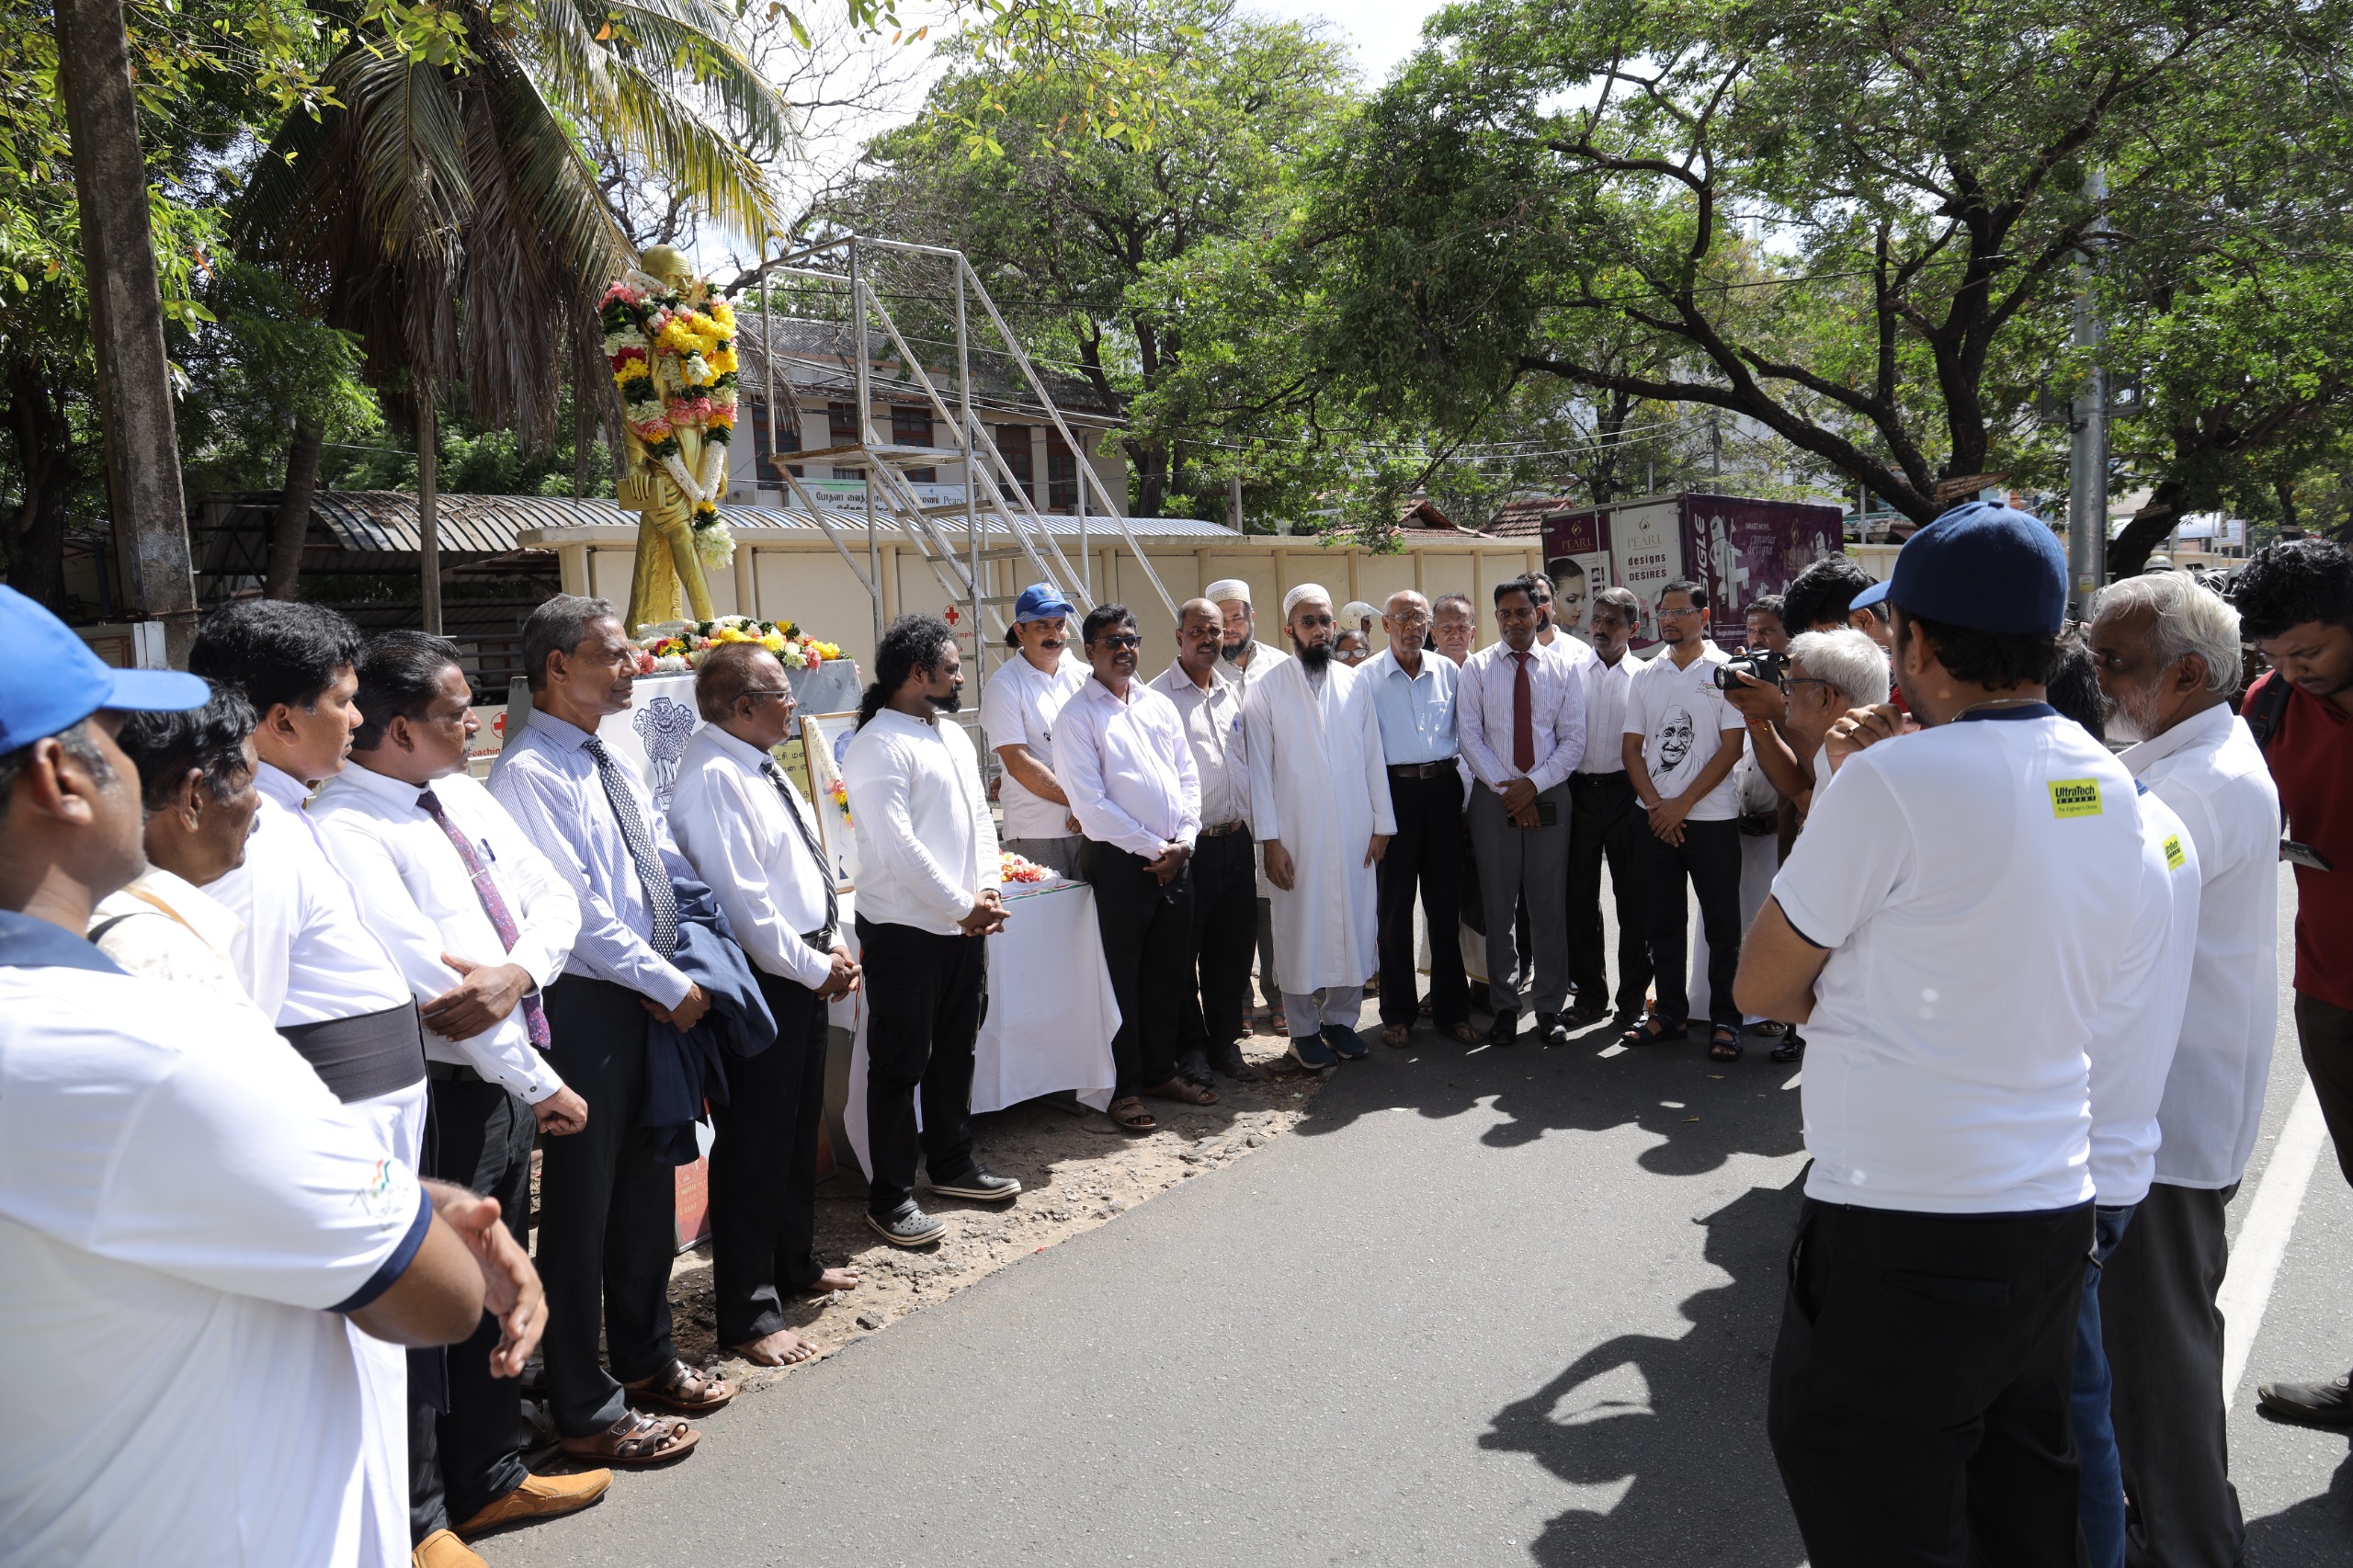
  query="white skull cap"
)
[
  {"x": 1305, "y": 591},
  {"x": 1226, "y": 588}
]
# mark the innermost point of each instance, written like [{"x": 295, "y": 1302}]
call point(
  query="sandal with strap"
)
[
  {"x": 1724, "y": 1043},
  {"x": 682, "y": 1388},
  {"x": 1651, "y": 1030},
  {"x": 1791, "y": 1048},
  {"x": 1128, "y": 1115},
  {"x": 633, "y": 1441},
  {"x": 1184, "y": 1090}
]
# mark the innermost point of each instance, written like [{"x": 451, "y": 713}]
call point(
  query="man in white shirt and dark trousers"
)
[
  {"x": 751, "y": 838},
  {"x": 1018, "y": 708},
  {"x": 1946, "y": 926},
  {"x": 309, "y": 949},
  {"x": 1681, "y": 740},
  {"x": 478, "y": 922},
  {"x": 1520, "y": 716},
  {"x": 607, "y": 1201},
  {"x": 1604, "y": 819},
  {"x": 1243, "y": 661},
  {"x": 928, "y": 870},
  {"x": 2167, "y": 653},
  {"x": 1225, "y": 867},
  {"x": 1131, "y": 778}
]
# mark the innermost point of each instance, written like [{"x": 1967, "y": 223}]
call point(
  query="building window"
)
[
  {"x": 787, "y": 439},
  {"x": 841, "y": 423},
  {"x": 1061, "y": 474},
  {"x": 912, "y": 427},
  {"x": 1014, "y": 441}
]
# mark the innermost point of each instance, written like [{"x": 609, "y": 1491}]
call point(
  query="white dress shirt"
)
[
  {"x": 731, "y": 823},
  {"x": 1214, "y": 727},
  {"x": 925, "y": 844},
  {"x": 421, "y": 899},
  {"x": 1129, "y": 771},
  {"x": 1606, "y": 686},
  {"x": 1483, "y": 714},
  {"x": 2209, "y": 769},
  {"x": 1020, "y": 707},
  {"x": 164, "y": 928},
  {"x": 1264, "y": 656},
  {"x": 548, "y": 782},
  {"x": 308, "y": 953}
]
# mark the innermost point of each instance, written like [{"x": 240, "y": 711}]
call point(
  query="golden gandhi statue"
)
[{"x": 660, "y": 485}]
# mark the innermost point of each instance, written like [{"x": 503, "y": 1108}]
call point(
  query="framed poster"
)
[{"x": 824, "y": 738}]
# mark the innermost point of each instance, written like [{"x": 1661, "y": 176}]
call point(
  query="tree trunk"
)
[
  {"x": 293, "y": 520},
  {"x": 1152, "y": 478},
  {"x": 2129, "y": 550},
  {"x": 428, "y": 504},
  {"x": 2285, "y": 489},
  {"x": 585, "y": 374}
]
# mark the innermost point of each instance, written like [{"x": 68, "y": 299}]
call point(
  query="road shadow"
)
[
  {"x": 1662, "y": 1439},
  {"x": 2312, "y": 1534}
]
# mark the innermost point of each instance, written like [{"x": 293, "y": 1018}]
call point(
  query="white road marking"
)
[{"x": 2262, "y": 1240}]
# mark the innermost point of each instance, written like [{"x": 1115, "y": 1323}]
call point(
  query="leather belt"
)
[
  {"x": 821, "y": 941},
  {"x": 1421, "y": 769},
  {"x": 1597, "y": 777},
  {"x": 1219, "y": 830}
]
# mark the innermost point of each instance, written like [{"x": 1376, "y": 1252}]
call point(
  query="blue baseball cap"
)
[
  {"x": 56, "y": 682},
  {"x": 1984, "y": 567},
  {"x": 1871, "y": 598},
  {"x": 1042, "y": 601}
]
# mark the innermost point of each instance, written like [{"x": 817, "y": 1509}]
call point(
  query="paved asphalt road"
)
[{"x": 1505, "y": 1307}]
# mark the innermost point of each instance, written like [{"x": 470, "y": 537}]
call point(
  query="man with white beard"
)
[{"x": 1319, "y": 805}]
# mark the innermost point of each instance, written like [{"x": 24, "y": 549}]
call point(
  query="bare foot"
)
[
  {"x": 836, "y": 1279},
  {"x": 782, "y": 1348}
]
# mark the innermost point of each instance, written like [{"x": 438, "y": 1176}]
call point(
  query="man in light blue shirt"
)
[{"x": 1412, "y": 696}]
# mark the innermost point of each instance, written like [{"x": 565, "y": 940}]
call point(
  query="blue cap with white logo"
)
[
  {"x": 1042, "y": 601},
  {"x": 55, "y": 682},
  {"x": 1984, "y": 567}
]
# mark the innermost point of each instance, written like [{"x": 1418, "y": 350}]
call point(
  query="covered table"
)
[{"x": 1050, "y": 1013}]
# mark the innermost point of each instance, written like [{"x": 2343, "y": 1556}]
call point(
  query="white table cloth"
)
[{"x": 1050, "y": 1014}]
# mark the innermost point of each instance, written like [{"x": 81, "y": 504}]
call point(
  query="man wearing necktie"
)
[
  {"x": 1519, "y": 714},
  {"x": 750, "y": 835},
  {"x": 607, "y": 1201},
  {"x": 478, "y": 921}
]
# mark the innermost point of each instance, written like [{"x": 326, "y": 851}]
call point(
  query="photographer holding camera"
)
[
  {"x": 1790, "y": 715},
  {"x": 1947, "y": 927}
]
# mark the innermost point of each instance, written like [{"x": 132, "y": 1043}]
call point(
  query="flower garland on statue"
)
[
  {"x": 645, "y": 321},
  {"x": 676, "y": 647}
]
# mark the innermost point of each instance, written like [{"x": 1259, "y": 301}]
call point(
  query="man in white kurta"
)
[{"x": 1319, "y": 805}]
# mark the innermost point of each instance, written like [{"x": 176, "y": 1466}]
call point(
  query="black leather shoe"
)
[
  {"x": 2309, "y": 1404},
  {"x": 978, "y": 1183},
  {"x": 1551, "y": 1030},
  {"x": 1506, "y": 1028},
  {"x": 1229, "y": 1060},
  {"x": 907, "y": 1226}
]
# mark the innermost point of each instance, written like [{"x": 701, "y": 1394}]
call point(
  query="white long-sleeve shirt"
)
[
  {"x": 926, "y": 846},
  {"x": 420, "y": 899},
  {"x": 1483, "y": 714},
  {"x": 731, "y": 823},
  {"x": 1128, "y": 769}
]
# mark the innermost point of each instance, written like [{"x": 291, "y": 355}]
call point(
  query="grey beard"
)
[{"x": 1315, "y": 655}]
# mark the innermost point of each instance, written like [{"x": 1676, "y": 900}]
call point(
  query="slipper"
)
[
  {"x": 1394, "y": 1034},
  {"x": 1466, "y": 1033},
  {"x": 634, "y": 1440},
  {"x": 1770, "y": 1030},
  {"x": 1184, "y": 1090},
  {"x": 1724, "y": 1043},
  {"x": 682, "y": 1388},
  {"x": 1128, "y": 1114}
]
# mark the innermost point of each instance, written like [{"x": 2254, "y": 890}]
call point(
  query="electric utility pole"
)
[{"x": 2087, "y": 457}]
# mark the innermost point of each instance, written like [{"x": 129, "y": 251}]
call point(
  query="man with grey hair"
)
[
  {"x": 1829, "y": 673},
  {"x": 2167, "y": 656}
]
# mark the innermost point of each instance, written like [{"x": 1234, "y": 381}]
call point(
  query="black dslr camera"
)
[{"x": 1764, "y": 663}]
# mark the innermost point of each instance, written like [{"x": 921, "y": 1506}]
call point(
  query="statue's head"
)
[{"x": 669, "y": 263}]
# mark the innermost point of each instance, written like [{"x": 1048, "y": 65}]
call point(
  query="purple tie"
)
[{"x": 494, "y": 904}]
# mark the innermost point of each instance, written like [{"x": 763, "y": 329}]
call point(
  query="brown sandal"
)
[
  {"x": 1184, "y": 1090},
  {"x": 634, "y": 1440},
  {"x": 1128, "y": 1114},
  {"x": 684, "y": 1388},
  {"x": 1466, "y": 1033},
  {"x": 1394, "y": 1034}
]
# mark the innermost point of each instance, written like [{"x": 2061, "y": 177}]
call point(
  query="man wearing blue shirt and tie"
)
[{"x": 1412, "y": 696}]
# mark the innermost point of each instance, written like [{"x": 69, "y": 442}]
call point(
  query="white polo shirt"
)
[
  {"x": 2209, "y": 769},
  {"x": 2133, "y": 1046},
  {"x": 180, "y": 1201},
  {"x": 1018, "y": 708},
  {"x": 1967, "y": 881},
  {"x": 1682, "y": 718}
]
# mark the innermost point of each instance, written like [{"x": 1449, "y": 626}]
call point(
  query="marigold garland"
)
[{"x": 644, "y": 319}]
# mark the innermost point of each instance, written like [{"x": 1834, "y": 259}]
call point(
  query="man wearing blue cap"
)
[
  {"x": 1018, "y": 706},
  {"x": 184, "y": 1208},
  {"x": 1946, "y": 927}
]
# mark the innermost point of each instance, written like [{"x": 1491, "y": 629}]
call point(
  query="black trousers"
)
[
  {"x": 1605, "y": 816},
  {"x": 1224, "y": 873},
  {"x": 462, "y": 1459},
  {"x": 925, "y": 996},
  {"x": 608, "y": 1224},
  {"x": 1147, "y": 938},
  {"x": 1920, "y": 1389},
  {"x": 1709, "y": 855},
  {"x": 1426, "y": 851},
  {"x": 764, "y": 1168},
  {"x": 2325, "y": 1034}
]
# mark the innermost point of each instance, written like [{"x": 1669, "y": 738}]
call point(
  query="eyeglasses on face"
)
[
  {"x": 1686, "y": 609},
  {"x": 766, "y": 691},
  {"x": 1115, "y": 641}
]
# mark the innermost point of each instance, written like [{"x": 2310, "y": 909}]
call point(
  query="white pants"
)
[
  {"x": 1760, "y": 860},
  {"x": 1332, "y": 1004},
  {"x": 397, "y": 1122}
]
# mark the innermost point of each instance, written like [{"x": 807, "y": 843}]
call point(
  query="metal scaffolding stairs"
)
[{"x": 997, "y": 520}]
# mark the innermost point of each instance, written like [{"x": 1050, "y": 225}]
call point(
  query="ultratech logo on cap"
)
[
  {"x": 2074, "y": 798},
  {"x": 2174, "y": 859}
]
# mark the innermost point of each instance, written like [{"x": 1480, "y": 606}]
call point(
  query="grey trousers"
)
[
  {"x": 1310, "y": 1013},
  {"x": 2164, "y": 1337},
  {"x": 1059, "y": 855},
  {"x": 1530, "y": 863}
]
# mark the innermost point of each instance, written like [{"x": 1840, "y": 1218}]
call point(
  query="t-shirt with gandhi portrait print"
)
[{"x": 1682, "y": 717}]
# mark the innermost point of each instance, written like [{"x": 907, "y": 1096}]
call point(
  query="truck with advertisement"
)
[{"x": 1741, "y": 549}]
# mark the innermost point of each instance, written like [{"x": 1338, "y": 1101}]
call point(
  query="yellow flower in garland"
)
[{"x": 631, "y": 371}]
